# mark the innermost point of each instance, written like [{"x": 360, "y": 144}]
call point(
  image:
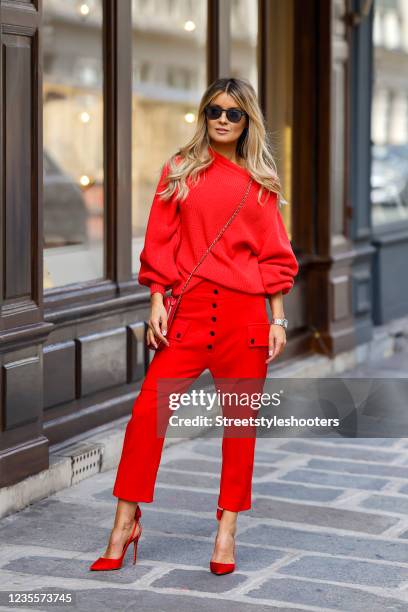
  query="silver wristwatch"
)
[{"x": 283, "y": 322}]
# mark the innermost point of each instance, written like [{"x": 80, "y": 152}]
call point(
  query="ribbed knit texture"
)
[{"x": 254, "y": 255}]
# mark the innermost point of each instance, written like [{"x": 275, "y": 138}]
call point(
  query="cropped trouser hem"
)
[
  {"x": 225, "y": 506},
  {"x": 140, "y": 498}
]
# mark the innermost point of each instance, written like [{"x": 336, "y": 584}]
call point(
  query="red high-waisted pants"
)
[{"x": 217, "y": 328}]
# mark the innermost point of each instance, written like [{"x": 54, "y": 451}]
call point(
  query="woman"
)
[{"x": 222, "y": 322}]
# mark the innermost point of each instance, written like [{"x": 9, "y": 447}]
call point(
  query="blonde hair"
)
[{"x": 253, "y": 145}]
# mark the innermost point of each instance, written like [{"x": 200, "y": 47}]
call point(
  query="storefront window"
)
[
  {"x": 389, "y": 119},
  {"x": 169, "y": 78},
  {"x": 244, "y": 40},
  {"x": 244, "y": 64},
  {"x": 73, "y": 142},
  {"x": 280, "y": 98}
]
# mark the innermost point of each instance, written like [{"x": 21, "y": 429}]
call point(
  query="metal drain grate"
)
[{"x": 86, "y": 461}]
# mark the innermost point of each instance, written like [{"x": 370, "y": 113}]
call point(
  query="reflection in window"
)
[
  {"x": 169, "y": 78},
  {"x": 389, "y": 118},
  {"x": 244, "y": 40},
  {"x": 73, "y": 142}
]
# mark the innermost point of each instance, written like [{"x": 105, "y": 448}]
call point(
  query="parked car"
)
[
  {"x": 65, "y": 211},
  {"x": 389, "y": 182}
]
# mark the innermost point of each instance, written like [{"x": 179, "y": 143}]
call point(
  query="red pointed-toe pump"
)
[
  {"x": 104, "y": 563},
  {"x": 221, "y": 568}
]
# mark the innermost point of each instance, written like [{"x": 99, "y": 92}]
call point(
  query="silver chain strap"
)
[{"x": 244, "y": 197}]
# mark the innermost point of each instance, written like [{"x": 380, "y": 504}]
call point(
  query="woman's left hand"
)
[{"x": 277, "y": 341}]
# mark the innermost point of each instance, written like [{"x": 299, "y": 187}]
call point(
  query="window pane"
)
[
  {"x": 244, "y": 40},
  {"x": 280, "y": 106},
  {"x": 389, "y": 118},
  {"x": 244, "y": 43},
  {"x": 73, "y": 142},
  {"x": 169, "y": 78}
]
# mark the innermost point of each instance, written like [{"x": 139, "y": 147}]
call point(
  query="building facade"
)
[{"x": 95, "y": 96}]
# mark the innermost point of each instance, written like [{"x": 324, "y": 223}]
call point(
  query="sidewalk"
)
[{"x": 328, "y": 530}]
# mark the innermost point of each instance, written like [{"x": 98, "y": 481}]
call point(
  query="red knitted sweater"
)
[{"x": 254, "y": 255}]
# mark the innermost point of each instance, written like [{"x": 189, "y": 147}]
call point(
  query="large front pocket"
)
[{"x": 258, "y": 334}]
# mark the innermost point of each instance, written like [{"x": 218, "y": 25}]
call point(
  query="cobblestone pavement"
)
[{"x": 328, "y": 530}]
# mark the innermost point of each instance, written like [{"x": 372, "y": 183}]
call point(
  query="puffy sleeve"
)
[
  {"x": 277, "y": 263},
  {"x": 158, "y": 269}
]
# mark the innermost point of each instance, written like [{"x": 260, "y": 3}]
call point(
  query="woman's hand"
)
[
  {"x": 277, "y": 341},
  {"x": 158, "y": 314}
]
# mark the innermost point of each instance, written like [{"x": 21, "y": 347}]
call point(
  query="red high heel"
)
[
  {"x": 104, "y": 563},
  {"x": 221, "y": 568}
]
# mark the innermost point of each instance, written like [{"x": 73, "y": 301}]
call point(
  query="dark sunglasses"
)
[{"x": 233, "y": 114}]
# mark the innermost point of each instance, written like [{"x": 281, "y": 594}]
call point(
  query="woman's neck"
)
[{"x": 230, "y": 153}]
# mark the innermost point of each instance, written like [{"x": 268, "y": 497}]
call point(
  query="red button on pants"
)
[{"x": 226, "y": 332}]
